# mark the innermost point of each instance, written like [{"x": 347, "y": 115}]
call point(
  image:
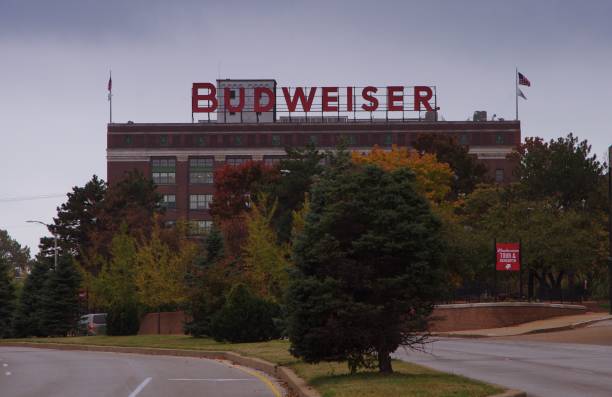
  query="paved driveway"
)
[
  {"x": 39, "y": 372},
  {"x": 541, "y": 369}
]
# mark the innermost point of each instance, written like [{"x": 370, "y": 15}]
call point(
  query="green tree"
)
[
  {"x": 245, "y": 318},
  {"x": 562, "y": 169},
  {"x": 266, "y": 262},
  {"x": 27, "y": 317},
  {"x": 17, "y": 257},
  {"x": 7, "y": 299},
  {"x": 59, "y": 312},
  {"x": 469, "y": 172},
  {"x": 368, "y": 267}
]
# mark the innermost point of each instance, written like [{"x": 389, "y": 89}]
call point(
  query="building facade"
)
[{"x": 181, "y": 157}]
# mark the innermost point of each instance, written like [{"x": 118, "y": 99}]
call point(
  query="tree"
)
[
  {"x": 245, "y": 318},
  {"x": 562, "y": 169},
  {"x": 266, "y": 262},
  {"x": 114, "y": 288},
  {"x": 236, "y": 185},
  {"x": 368, "y": 267},
  {"x": 27, "y": 317},
  {"x": 468, "y": 171},
  {"x": 160, "y": 272},
  {"x": 17, "y": 257},
  {"x": 59, "y": 312},
  {"x": 7, "y": 299},
  {"x": 433, "y": 179}
]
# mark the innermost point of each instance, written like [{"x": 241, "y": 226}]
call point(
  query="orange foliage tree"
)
[{"x": 433, "y": 178}]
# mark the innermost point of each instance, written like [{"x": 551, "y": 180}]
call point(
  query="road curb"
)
[
  {"x": 568, "y": 327},
  {"x": 297, "y": 386}
]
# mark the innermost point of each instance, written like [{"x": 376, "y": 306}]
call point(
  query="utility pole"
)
[{"x": 54, "y": 240}]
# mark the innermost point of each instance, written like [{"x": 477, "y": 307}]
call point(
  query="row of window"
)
[
  {"x": 275, "y": 139},
  {"x": 196, "y": 201},
  {"x": 196, "y": 228}
]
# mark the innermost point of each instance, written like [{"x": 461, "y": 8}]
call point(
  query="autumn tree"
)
[
  {"x": 160, "y": 272},
  {"x": 433, "y": 178},
  {"x": 368, "y": 267},
  {"x": 17, "y": 258},
  {"x": 468, "y": 172},
  {"x": 266, "y": 261}
]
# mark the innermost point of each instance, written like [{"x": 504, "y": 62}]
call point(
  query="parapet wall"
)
[{"x": 469, "y": 316}]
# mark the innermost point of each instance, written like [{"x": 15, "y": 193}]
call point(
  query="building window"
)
[
  {"x": 168, "y": 201},
  {"x": 201, "y": 171},
  {"x": 232, "y": 94},
  {"x": 201, "y": 141},
  {"x": 200, "y": 201},
  {"x": 234, "y": 161},
  {"x": 388, "y": 139},
  {"x": 499, "y": 139},
  {"x": 499, "y": 175},
  {"x": 273, "y": 160},
  {"x": 127, "y": 140},
  {"x": 351, "y": 140},
  {"x": 312, "y": 139},
  {"x": 232, "y": 113},
  {"x": 163, "y": 140},
  {"x": 464, "y": 139},
  {"x": 163, "y": 171},
  {"x": 198, "y": 228},
  {"x": 276, "y": 140},
  {"x": 169, "y": 224},
  {"x": 237, "y": 140}
]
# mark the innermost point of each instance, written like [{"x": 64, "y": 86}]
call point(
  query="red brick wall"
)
[{"x": 171, "y": 323}]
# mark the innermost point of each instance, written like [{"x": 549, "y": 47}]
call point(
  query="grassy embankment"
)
[{"x": 330, "y": 379}]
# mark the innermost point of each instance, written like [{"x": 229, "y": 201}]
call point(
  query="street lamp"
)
[{"x": 54, "y": 239}]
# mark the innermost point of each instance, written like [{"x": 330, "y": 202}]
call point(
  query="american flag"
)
[
  {"x": 523, "y": 80},
  {"x": 110, "y": 83}
]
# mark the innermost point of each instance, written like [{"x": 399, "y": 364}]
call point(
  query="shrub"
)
[
  {"x": 245, "y": 318},
  {"x": 123, "y": 320}
]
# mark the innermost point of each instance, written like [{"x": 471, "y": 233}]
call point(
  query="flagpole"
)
[
  {"x": 516, "y": 90},
  {"x": 110, "y": 97}
]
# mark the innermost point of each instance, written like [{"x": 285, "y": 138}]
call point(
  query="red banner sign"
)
[{"x": 508, "y": 257}]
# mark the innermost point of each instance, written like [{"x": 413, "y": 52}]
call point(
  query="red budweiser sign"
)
[
  {"x": 205, "y": 98},
  {"x": 508, "y": 257}
]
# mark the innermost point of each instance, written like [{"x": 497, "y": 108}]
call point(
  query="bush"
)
[
  {"x": 123, "y": 320},
  {"x": 245, "y": 318}
]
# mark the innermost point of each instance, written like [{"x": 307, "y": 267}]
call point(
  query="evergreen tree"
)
[
  {"x": 27, "y": 317},
  {"x": 7, "y": 299},
  {"x": 59, "y": 313},
  {"x": 368, "y": 266}
]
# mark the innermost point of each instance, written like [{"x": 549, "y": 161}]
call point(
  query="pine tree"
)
[
  {"x": 368, "y": 267},
  {"x": 7, "y": 299},
  {"x": 59, "y": 312},
  {"x": 27, "y": 317}
]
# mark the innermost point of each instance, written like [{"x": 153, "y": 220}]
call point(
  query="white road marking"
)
[
  {"x": 7, "y": 373},
  {"x": 140, "y": 387},
  {"x": 5, "y": 365},
  {"x": 212, "y": 379}
]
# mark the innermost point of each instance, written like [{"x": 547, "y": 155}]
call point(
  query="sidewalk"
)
[{"x": 540, "y": 326}]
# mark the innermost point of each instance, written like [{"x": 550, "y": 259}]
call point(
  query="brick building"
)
[{"x": 181, "y": 157}]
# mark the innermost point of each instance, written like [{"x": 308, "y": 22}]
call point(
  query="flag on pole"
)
[
  {"x": 520, "y": 93},
  {"x": 110, "y": 87},
  {"x": 522, "y": 80}
]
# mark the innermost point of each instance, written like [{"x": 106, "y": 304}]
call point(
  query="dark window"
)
[
  {"x": 201, "y": 141},
  {"x": 163, "y": 171},
  {"x": 168, "y": 201},
  {"x": 232, "y": 94},
  {"x": 201, "y": 170},
  {"x": 464, "y": 139},
  {"x": 276, "y": 140},
  {"x": 312, "y": 139},
  {"x": 163, "y": 139},
  {"x": 99, "y": 319},
  {"x": 273, "y": 160},
  {"x": 499, "y": 139},
  {"x": 237, "y": 140},
  {"x": 127, "y": 139},
  {"x": 499, "y": 175},
  {"x": 352, "y": 140},
  {"x": 388, "y": 139},
  {"x": 200, "y": 201},
  {"x": 234, "y": 161}
]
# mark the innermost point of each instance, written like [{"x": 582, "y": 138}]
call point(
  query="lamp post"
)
[{"x": 54, "y": 240}]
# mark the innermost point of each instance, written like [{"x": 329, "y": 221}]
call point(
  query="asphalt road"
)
[
  {"x": 39, "y": 372},
  {"x": 540, "y": 368}
]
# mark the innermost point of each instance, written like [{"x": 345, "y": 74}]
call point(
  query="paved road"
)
[
  {"x": 39, "y": 372},
  {"x": 541, "y": 369}
]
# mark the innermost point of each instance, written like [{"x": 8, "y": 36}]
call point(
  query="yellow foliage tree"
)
[{"x": 433, "y": 178}]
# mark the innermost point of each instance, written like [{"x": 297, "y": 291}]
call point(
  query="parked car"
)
[{"x": 93, "y": 324}]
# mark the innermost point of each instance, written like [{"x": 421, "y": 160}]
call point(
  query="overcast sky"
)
[{"x": 55, "y": 57}]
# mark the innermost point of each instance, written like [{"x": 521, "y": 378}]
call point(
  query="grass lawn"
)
[{"x": 330, "y": 379}]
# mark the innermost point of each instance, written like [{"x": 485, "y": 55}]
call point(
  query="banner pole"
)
[
  {"x": 495, "y": 269},
  {"x": 520, "y": 269}
]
